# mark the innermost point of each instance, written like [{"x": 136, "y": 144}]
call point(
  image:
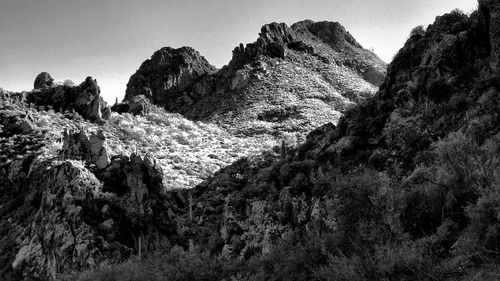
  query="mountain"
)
[
  {"x": 168, "y": 73},
  {"x": 291, "y": 80},
  {"x": 404, "y": 187},
  {"x": 82, "y": 185}
]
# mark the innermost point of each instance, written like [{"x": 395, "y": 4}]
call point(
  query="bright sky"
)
[{"x": 108, "y": 39}]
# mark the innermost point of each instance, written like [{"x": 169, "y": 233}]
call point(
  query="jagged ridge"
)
[{"x": 280, "y": 83}]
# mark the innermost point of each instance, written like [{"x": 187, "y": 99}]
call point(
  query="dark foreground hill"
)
[{"x": 291, "y": 80}]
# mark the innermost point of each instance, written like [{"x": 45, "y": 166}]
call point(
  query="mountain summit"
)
[{"x": 291, "y": 79}]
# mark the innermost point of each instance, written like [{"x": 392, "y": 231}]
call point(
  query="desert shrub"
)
[
  {"x": 341, "y": 268},
  {"x": 293, "y": 258},
  {"x": 483, "y": 232},
  {"x": 485, "y": 223},
  {"x": 176, "y": 265},
  {"x": 405, "y": 136},
  {"x": 401, "y": 260},
  {"x": 417, "y": 31},
  {"x": 69, "y": 83},
  {"x": 422, "y": 213},
  {"x": 458, "y": 12},
  {"x": 360, "y": 210},
  {"x": 462, "y": 171}
]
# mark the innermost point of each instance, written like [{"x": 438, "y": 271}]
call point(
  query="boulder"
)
[
  {"x": 16, "y": 122},
  {"x": 43, "y": 80},
  {"x": 137, "y": 105},
  {"x": 88, "y": 101}
]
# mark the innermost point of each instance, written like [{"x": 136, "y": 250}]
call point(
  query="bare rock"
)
[
  {"x": 88, "y": 101},
  {"x": 60, "y": 239},
  {"x": 272, "y": 42},
  {"x": 43, "y": 80},
  {"x": 137, "y": 105},
  {"x": 168, "y": 73},
  {"x": 16, "y": 122},
  {"x": 85, "y": 99},
  {"x": 91, "y": 149},
  {"x": 138, "y": 175}
]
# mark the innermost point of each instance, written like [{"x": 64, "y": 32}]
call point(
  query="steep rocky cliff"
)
[{"x": 291, "y": 79}]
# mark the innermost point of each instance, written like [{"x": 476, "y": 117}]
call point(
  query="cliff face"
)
[{"x": 291, "y": 79}]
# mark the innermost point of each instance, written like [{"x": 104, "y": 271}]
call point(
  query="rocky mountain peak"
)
[
  {"x": 272, "y": 41},
  {"x": 43, "y": 80},
  {"x": 332, "y": 33},
  {"x": 276, "y": 38},
  {"x": 167, "y": 73},
  {"x": 278, "y": 81}
]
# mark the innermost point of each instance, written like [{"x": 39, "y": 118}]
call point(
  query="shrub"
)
[
  {"x": 360, "y": 212},
  {"x": 69, "y": 83},
  {"x": 462, "y": 172},
  {"x": 293, "y": 258},
  {"x": 176, "y": 265},
  {"x": 417, "y": 31}
]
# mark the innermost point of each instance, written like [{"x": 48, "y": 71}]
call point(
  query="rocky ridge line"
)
[{"x": 316, "y": 66}]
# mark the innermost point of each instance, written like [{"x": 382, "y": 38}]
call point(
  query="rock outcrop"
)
[
  {"x": 43, "y": 80},
  {"x": 15, "y": 122},
  {"x": 137, "y": 105},
  {"x": 62, "y": 216},
  {"x": 163, "y": 78},
  {"x": 81, "y": 146},
  {"x": 85, "y": 98},
  {"x": 273, "y": 42},
  {"x": 60, "y": 238}
]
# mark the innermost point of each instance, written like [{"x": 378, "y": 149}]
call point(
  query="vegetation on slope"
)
[{"x": 406, "y": 187}]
